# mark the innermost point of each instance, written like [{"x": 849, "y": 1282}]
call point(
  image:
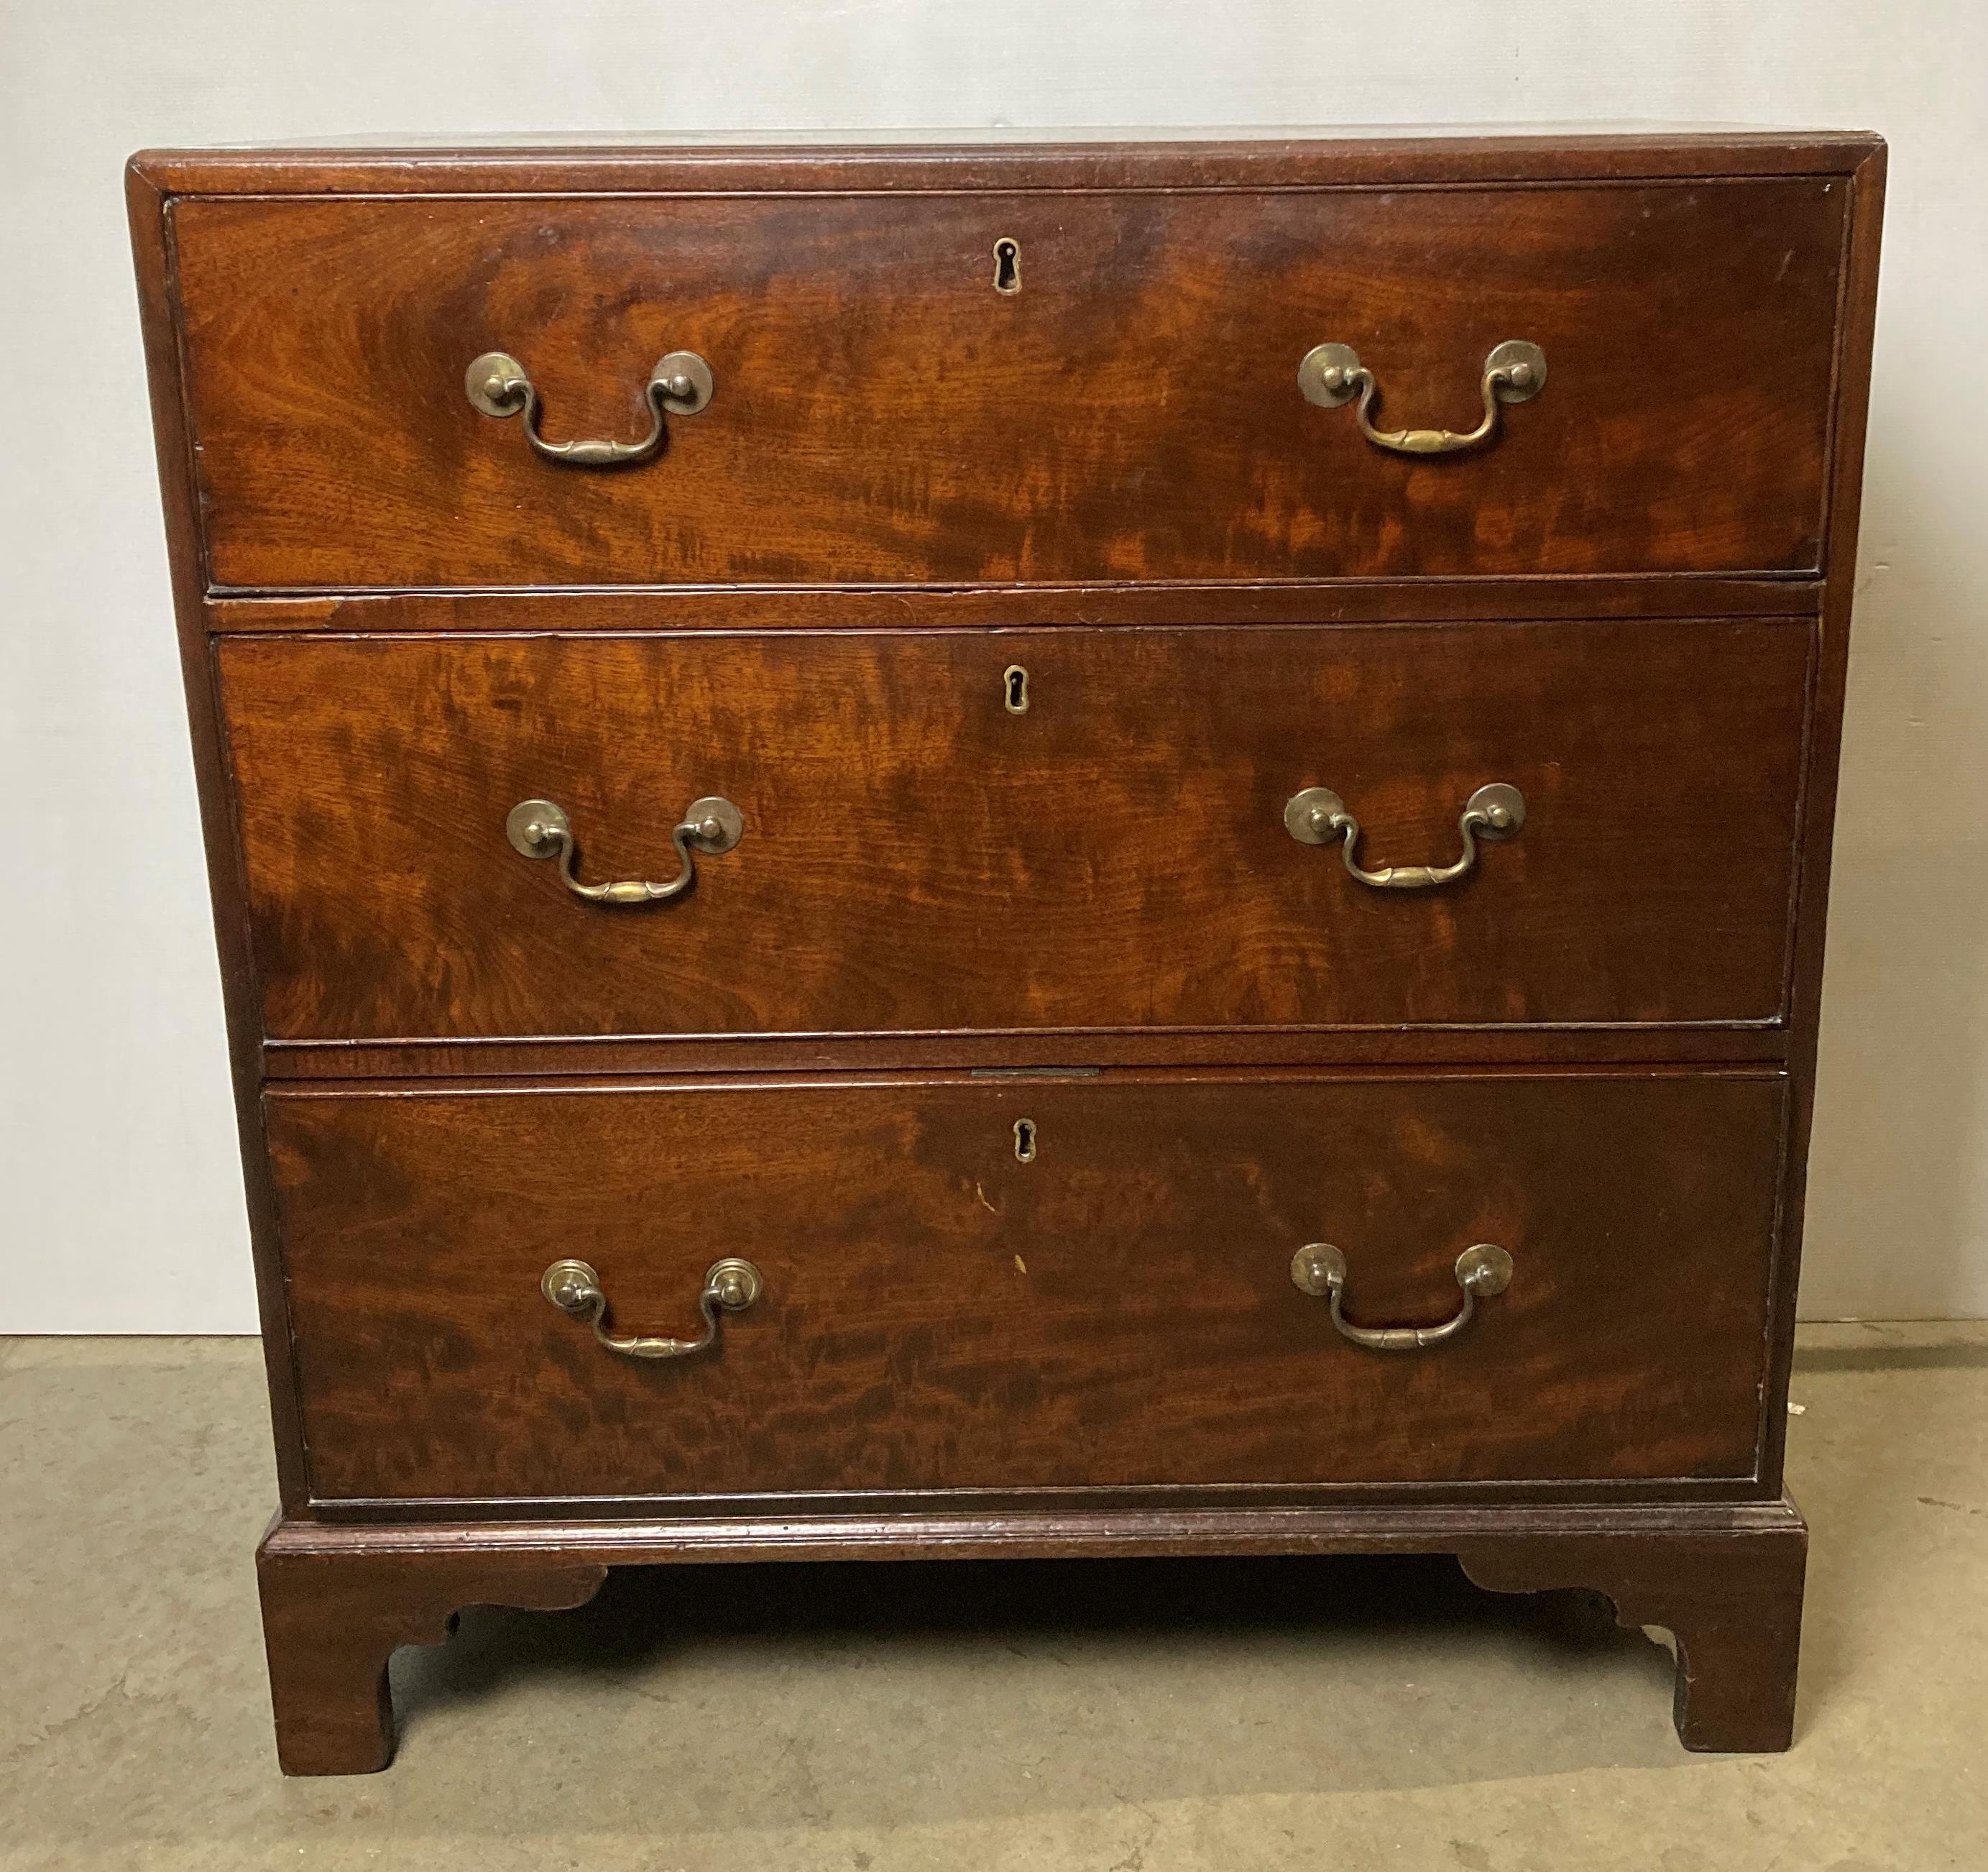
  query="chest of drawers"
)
[{"x": 898, "y": 875}]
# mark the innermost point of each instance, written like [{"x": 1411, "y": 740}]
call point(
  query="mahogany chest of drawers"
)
[{"x": 899, "y": 874}]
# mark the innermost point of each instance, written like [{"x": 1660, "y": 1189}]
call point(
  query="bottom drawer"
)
[{"x": 1118, "y": 1309}]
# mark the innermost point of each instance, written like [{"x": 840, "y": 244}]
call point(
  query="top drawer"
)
[{"x": 881, "y": 412}]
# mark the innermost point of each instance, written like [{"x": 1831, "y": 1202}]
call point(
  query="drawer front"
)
[
  {"x": 882, "y": 413},
  {"x": 1119, "y": 1311},
  {"x": 915, "y": 858}
]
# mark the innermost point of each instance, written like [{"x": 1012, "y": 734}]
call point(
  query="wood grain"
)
[
  {"x": 1046, "y": 1051},
  {"x": 895, "y": 449},
  {"x": 882, "y": 414},
  {"x": 1726, "y": 1580},
  {"x": 1825, "y": 748},
  {"x": 146, "y": 209},
  {"x": 1733, "y": 1601},
  {"x": 939, "y": 1315},
  {"x": 918, "y": 859},
  {"x": 780, "y": 607},
  {"x": 1394, "y": 157},
  {"x": 331, "y": 1623}
]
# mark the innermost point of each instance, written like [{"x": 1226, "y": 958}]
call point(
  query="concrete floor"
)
[{"x": 1147, "y": 1717}]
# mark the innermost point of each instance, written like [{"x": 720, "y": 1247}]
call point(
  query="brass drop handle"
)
[
  {"x": 1318, "y": 816},
  {"x": 1331, "y": 374},
  {"x": 538, "y": 828},
  {"x": 499, "y": 386},
  {"x": 1320, "y": 1268},
  {"x": 730, "y": 1286}
]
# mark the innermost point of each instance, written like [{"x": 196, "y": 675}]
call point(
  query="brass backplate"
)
[
  {"x": 497, "y": 384},
  {"x": 1329, "y": 375},
  {"x": 1520, "y": 369},
  {"x": 715, "y": 823},
  {"x": 685, "y": 382},
  {"x": 1502, "y": 809},
  {"x": 1313, "y": 816},
  {"x": 734, "y": 1284},
  {"x": 535, "y": 827},
  {"x": 1484, "y": 1268},
  {"x": 1317, "y": 1268}
]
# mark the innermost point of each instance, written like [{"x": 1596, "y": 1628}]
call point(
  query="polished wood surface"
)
[
  {"x": 1110, "y": 455},
  {"x": 1400, "y": 156},
  {"x": 330, "y": 1624},
  {"x": 1734, "y": 1606},
  {"x": 883, "y": 415},
  {"x": 147, "y": 204},
  {"x": 1824, "y": 759},
  {"x": 918, "y": 859},
  {"x": 1446, "y": 1046},
  {"x": 1118, "y": 1311},
  {"x": 1725, "y": 1581},
  {"x": 780, "y": 607}
]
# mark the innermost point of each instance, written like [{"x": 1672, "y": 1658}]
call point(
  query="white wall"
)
[{"x": 120, "y": 1199}]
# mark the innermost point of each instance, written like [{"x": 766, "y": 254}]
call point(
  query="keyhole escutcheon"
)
[
  {"x": 1015, "y": 689},
  {"x": 1025, "y": 1140},
  {"x": 1007, "y": 265}
]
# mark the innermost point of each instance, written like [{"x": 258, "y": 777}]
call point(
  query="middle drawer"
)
[{"x": 1072, "y": 829}]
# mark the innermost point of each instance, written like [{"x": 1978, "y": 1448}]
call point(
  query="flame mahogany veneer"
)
[{"x": 1027, "y": 1033}]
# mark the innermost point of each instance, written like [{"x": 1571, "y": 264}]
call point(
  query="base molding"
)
[
  {"x": 895, "y": 1532},
  {"x": 1724, "y": 1578}
]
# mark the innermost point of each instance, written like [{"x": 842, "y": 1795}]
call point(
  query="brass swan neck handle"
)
[
  {"x": 497, "y": 385},
  {"x": 1331, "y": 374},
  {"x": 1317, "y": 816},
  {"x": 730, "y": 1286},
  {"x": 541, "y": 828},
  {"x": 1320, "y": 1269}
]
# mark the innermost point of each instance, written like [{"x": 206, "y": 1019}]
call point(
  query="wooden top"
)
[{"x": 1270, "y": 157}]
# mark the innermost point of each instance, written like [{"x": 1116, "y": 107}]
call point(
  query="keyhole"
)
[
  {"x": 1015, "y": 689},
  {"x": 1025, "y": 1140},
  {"x": 1007, "y": 266}
]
